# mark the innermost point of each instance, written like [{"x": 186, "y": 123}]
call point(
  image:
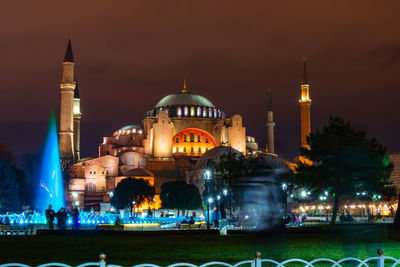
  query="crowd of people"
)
[{"x": 62, "y": 218}]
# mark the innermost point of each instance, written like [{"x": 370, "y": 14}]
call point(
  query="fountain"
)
[{"x": 50, "y": 190}]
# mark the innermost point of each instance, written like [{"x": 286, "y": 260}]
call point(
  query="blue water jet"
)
[{"x": 50, "y": 188}]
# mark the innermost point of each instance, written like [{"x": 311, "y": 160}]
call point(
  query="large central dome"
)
[
  {"x": 184, "y": 99},
  {"x": 186, "y": 104}
]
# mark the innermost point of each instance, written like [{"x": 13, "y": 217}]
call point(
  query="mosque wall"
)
[
  {"x": 163, "y": 132},
  {"x": 237, "y": 134}
]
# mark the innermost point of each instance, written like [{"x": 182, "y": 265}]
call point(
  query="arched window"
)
[
  {"x": 177, "y": 149},
  {"x": 207, "y": 140},
  {"x": 90, "y": 187},
  {"x": 191, "y": 137},
  {"x": 184, "y": 149},
  {"x": 177, "y": 139},
  {"x": 184, "y": 138},
  {"x": 198, "y": 138},
  {"x": 209, "y": 112},
  {"x": 199, "y": 150},
  {"x": 186, "y": 111},
  {"x": 215, "y": 113},
  {"x": 179, "y": 111},
  {"x": 204, "y": 112},
  {"x": 131, "y": 160},
  {"x": 192, "y": 111},
  {"x": 199, "y": 112},
  {"x": 191, "y": 150}
]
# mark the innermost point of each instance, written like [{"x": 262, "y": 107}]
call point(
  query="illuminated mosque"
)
[{"x": 179, "y": 132}]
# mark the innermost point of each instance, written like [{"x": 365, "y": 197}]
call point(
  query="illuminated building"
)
[{"x": 178, "y": 130}]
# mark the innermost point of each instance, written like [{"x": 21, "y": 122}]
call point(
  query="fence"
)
[{"x": 379, "y": 261}]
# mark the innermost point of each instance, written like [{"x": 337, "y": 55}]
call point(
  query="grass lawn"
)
[{"x": 163, "y": 249}]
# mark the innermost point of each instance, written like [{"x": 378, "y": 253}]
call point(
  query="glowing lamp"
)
[
  {"x": 207, "y": 175},
  {"x": 210, "y": 200}
]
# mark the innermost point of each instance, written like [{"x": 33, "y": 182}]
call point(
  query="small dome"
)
[
  {"x": 129, "y": 127},
  {"x": 214, "y": 155},
  {"x": 184, "y": 99}
]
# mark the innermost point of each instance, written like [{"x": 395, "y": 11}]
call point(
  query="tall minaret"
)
[
  {"x": 77, "y": 123},
  {"x": 67, "y": 86},
  {"x": 270, "y": 125},
  {"x": 305, "y": 104}
]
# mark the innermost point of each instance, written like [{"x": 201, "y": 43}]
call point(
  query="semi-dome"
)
[
  {"x": 215, "y": 155},
  {"x": 186, "y": 104},
  {"x": 131, "y": 126}
]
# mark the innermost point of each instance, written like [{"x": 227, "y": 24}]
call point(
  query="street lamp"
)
[
  {"x": 207, "y": 177},
  {"x": 225, "y": 192}
]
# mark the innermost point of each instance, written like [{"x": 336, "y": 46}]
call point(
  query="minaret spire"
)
[
  {"x": 270, "y": 126},
  {"x": 184, "y": 90},
  {"x": 305, "y": 78},
  {"x": 69, "y": 56}
]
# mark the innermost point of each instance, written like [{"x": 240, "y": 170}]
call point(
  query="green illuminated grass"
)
[{"x": 127, "y": 250}]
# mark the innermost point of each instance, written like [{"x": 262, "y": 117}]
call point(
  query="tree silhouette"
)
[
  {"x": 131, "y": 192},
  {"x": 9, "y": 189},
  {"x": 344, "y": 161},
  {"x": 180, "y": 196}
]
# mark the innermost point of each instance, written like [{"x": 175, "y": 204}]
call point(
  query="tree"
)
[
  {"x": 131, "y": 192},
  {"x": 180, "y": 196},
  {"x": 344, "y": 161},
  {"x": 9, "y": 189}
]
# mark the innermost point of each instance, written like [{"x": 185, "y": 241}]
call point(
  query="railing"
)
[{"x": 379, "y": 261}]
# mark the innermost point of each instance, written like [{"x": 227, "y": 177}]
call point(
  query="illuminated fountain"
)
[{"x": 50, "y": 190}]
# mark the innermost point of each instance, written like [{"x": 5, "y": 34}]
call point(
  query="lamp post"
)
[
  {"x": 154, "y": 210},
  {"x": 207, "y": 178}
]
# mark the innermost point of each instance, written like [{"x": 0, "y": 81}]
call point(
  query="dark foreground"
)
[{"x": 182, "y": 246}]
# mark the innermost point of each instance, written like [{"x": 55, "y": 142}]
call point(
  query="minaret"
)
[
  {"x": 270, "y": 125},
  {"x": 77, "y": 123},
  {"x": 67, "y": 86},
  {"x": 305, "y": 104}
]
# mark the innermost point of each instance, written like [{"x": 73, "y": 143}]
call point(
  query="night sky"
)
[{"x": 129, "y": 54}]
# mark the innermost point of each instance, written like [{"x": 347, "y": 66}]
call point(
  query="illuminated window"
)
[
  {"x": 215, "y": 113},
  {"x": 209, "y": 112},
  {"x": 131, "y": 160},
  {"x": 191, "y": 137},
  {"x": 199, "y": 112},
  {"x": 184, "y": 138},
  {"x": 90, "y": 187},
  {"x": 176, "y": 149},
  {"x": 192, "y": 111},
  {"x": 199, "y": 138},
  {"x": 204, "y": 112},
  {"x": 186, "y": 111},
  {"x": 199, "y": 149},
  {"x": 191, "y": 150},
  {"x": 207, "y": 140},
  {"x": 179, "y": 112}
]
